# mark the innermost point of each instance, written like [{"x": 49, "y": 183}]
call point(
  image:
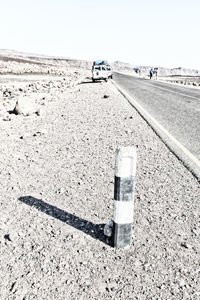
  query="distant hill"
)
[
  {"x": 12, "y": 56},
  {"x": 31, "y": 58}
]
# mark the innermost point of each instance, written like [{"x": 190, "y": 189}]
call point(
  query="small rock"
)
[
  {"x": 128, "y": 131},
  {"x": 194, "y": 231},
  {"x": 38, "y": 112},
  {"x": 12, "y": 286},
  {"x": 25, "y": 106},
  {"x": 186, "y": 245},
  {"x": 7, "y": 237},
  {"x": 60, "y": 191},
  {"x": 7, "y": 118},
  {"x": 108, "y": 229},
  {"x": 7, "y": 93},
  {"x": 182, "y": 282},
  {"x": 106, "y": 96}
]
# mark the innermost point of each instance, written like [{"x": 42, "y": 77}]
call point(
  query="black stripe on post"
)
[{"x": 123, "y": 190}]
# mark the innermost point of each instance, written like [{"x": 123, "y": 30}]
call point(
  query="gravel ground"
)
[{"x": 57, "y": 182}]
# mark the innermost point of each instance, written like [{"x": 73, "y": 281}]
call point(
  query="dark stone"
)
[
  {"x": 123, "y": 189},
  {"x": 7, "y": 237}
]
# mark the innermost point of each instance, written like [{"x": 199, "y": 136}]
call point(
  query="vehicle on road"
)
[{"x": 101, "y": 70}]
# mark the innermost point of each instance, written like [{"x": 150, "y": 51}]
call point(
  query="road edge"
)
[{"x": 180, "y": 151}]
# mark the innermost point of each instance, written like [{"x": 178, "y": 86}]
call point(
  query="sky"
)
[{"x": 141, "y": 32}]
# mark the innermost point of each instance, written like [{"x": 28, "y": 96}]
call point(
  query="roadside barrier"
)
[{"x": 120, "y": 229}]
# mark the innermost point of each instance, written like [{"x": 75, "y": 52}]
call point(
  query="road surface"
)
[{"x": 176, "y": 108}]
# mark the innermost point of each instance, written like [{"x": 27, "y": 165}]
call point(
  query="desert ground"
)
[{"x": 59, "y": 133}]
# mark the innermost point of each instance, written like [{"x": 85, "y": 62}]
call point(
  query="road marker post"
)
[{"x": 125, "y": 170}]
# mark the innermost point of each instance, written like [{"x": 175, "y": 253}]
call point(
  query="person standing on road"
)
[{"x": 151, "y": 73}]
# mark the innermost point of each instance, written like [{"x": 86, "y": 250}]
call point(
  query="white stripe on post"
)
[{"x": 125, "y": 170}]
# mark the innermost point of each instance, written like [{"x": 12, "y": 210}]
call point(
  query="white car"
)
[{"x": 100, "y": 72}]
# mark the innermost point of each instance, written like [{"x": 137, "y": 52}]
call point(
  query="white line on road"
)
[{"x": 161, "y": 88}]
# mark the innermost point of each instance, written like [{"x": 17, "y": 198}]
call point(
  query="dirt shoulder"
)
[{"x": 57, "y": 181}]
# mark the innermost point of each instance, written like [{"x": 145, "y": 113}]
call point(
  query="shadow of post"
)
[{"x": 94, "y": 230}]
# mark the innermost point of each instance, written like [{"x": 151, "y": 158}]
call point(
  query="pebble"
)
[
  {"x": 186, "y": 245},
  {"x": 7, "y": 237},
  {"x": 182, "y": 282}
]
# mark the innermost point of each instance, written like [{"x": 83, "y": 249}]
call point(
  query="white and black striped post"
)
[{"x": 125, "y": 170}]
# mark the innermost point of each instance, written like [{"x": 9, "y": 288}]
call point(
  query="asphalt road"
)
[{"x": 176, "y": 108}]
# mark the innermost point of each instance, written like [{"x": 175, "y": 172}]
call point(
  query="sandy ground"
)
[{"x": 57, "y": 182}]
